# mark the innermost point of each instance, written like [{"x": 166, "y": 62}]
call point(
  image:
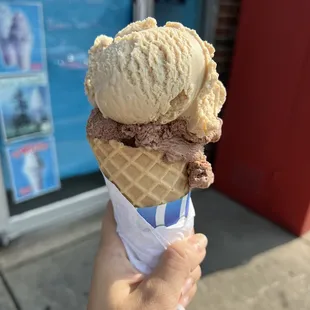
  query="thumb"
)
[{"x": 176, "y": 265}]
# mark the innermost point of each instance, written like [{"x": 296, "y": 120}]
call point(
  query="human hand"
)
[{"x": 117, "y": 285}]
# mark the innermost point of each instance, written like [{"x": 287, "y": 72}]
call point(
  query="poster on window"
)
[
  {"x": 25, "y": 107},
  {"x": 33, "y": 169},
  {"x": 22, "y": 46}
]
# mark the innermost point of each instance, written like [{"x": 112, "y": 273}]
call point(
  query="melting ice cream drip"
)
[{"x": 33, "y": 169}]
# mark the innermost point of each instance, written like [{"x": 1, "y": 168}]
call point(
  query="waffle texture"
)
[{"x": 140, "y": 174}]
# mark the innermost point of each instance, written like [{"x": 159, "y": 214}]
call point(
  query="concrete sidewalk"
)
[
  {"x": 5, "y": 301},
  {"x": 251, "y": 263}
]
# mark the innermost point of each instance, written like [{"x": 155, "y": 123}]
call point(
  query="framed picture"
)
[
  {"x": 25, "y": 107},
  {"x": 33, "y": 169},
  {"x": 22, "y": 42}
]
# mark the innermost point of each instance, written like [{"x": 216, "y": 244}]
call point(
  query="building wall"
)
[
  {"x": 225, "y": 35},
  {"x": 228, "y": 16}
]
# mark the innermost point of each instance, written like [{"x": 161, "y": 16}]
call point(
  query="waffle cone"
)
[{"x": 140, "y": 174}]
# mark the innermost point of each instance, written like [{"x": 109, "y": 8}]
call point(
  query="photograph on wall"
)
[
  {"x": 22, "y": 47},
  {"x": 25, "y": 107},
  {"x": 33, "y": 169}
]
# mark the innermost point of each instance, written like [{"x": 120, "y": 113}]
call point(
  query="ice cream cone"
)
[{"x": 140, "y": 174}]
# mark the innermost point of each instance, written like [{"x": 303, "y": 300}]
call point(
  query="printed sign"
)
[
  {"x": 22, "y": 47},
  {"x": 33, "y": 169},
  {"x": 25, "y": 106}
]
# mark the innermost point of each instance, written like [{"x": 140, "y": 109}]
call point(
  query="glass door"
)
[{"x": 45, "y": 154}]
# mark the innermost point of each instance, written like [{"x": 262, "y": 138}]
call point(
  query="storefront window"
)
[{"x": 44, "y": 52}]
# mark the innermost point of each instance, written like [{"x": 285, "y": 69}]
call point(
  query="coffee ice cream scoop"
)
[{"x": 156, "y": 74}]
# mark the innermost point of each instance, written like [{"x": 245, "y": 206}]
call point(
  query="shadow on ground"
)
[
  {"x": 59, "y": 278},
  {"x": 235, "y": 234}
]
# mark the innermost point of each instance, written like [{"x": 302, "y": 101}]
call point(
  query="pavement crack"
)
[{"x": 10, "y": 291}]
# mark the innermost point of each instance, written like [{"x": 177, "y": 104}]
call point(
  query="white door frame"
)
[
  {"x": 143, "y": 9},
  {"x": 4, "y": 208}
]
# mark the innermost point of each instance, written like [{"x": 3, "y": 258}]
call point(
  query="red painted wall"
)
[{"x": 263, "y": 158}]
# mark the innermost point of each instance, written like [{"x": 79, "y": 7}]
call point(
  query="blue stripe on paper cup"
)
[
  {"x": 172, "y": 214},
  {"x": 167, "y": 214},
  {"x": 149, "y": 214}
]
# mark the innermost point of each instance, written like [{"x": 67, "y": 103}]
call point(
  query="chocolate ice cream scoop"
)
[{"x": 172, "y": 139}]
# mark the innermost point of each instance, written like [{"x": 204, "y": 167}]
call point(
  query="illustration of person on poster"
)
[
  {"x": 21, "y": 38},
  {"x": 25, "y": 107},
  {"x": 33, "y": 169}
]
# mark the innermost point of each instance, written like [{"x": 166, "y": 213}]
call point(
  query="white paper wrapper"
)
[{"x": 147, "y": 232}]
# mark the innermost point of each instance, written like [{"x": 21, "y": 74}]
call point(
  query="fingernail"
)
[
  {"x": 185, "y": 301},
  {"x": 199, "y": 241},
  {"x": 187, "y": 286}
]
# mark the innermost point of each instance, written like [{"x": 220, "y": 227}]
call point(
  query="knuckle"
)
[
  {"x": 194, "y": 290},
  {"x": 155, "y": 292},
  {"x": 153, "y": 288},
  {"x": 198, "y": 273},
  {"x": 201, "y": 256},
  {"x": 178, "y": 257},
  {"x": 189, "y": 297},
  {"x": 182, "y": 255}
]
